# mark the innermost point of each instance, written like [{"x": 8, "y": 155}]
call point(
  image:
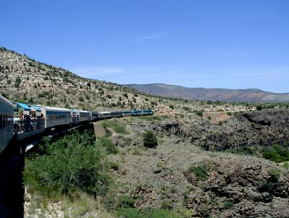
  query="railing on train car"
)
[{"x": 28, "y": 125}]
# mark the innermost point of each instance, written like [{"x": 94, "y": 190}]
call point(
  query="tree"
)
[
  {"x": 150, "y": 140},
  {"x": 17, "y": 82}
]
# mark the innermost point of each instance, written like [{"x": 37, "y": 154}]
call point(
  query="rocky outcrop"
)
[
  {"x": 246, "y": 129},
  {"x": 239, "y": 188}
]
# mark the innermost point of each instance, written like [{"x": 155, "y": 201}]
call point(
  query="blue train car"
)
[
  {"x": 147, "y": 112},
  {"x": 126, "y": 113}
]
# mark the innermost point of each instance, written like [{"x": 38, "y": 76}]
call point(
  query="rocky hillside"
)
[
  {"x": 176, "y": 178},
  {"x": 228, "y": 95},
  {"x": 26, "y": 80}
]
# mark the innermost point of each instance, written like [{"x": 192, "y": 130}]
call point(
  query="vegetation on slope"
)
[{"x": 72, "y": 163}]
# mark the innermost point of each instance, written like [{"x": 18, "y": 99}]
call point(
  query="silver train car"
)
[
  {"x": 6, "y": 122},
  {"x": 56, "y": 116},
  {"x": 84, "y": 116}
]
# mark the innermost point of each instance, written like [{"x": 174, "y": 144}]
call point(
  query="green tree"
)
[
  {"x": 150, "y": 140},
  {"x": 17, "y": 82}
]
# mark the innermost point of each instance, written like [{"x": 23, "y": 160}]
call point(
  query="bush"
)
[
  {"x": 69, "y": 164},
  {"x": 276, "y": 153},
  {"x": 150, "y": 140},
  {"x": 107, "y": 144},
  {"x": 126, "y": 202},
  {"x": 116, "y": 126},
  {"x": 228, "y": 204},
  {"x": 259, "y": 107},
  {"x": 146, "y": 213},
  {"x": 199, "y": 113},
  {"x": 200, "y": 172},
  {"x": 17, "y": 82}
]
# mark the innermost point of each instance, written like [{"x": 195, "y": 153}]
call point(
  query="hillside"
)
[
  {"x": 26, "y": 80},
  {"x": 228, "y": 95}
]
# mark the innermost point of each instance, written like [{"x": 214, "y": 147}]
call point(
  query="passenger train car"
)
[
  {"x": 56, "y": 116},
  {"x": 6, "y": 122},
  {"x": 48, "y": 117}
]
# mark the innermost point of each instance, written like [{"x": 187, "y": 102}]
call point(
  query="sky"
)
[{"x": 195, "y": 43}]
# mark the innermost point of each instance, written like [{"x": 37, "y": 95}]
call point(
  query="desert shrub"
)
[
  {"x": 201, "y": 171},
  {"x": 199, "y": 113},
  {"x": 274, "y": 175},
  {"x": 286, "y": 165},
  {"x": 116, "y": 126},
  {"x": 147, "y": 213},
  {"x": 66, "y": 165},
  {"x": 81, "y": 98},
  {"x": 185, "y": 108},
  {"x": 276, "y": 153},
  {"x": 126, "y": 202},
  {"x": 272, "y": 182},
  {"x": 246, "y": 150},
  {"x": 228, "y": 204},
  {"x": 107, "y": 144},
  {"x": 17, "y": 82},
  {"x": 150, "y": 140},
  {"x": 259, "y": 107}
]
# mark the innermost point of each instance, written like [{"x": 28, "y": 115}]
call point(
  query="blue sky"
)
[{"x": 195, "y": 43}]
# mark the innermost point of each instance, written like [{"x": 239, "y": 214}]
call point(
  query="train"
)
[
  {"x": 35, "y": 119},
  {"x": 6, "y": 122}
]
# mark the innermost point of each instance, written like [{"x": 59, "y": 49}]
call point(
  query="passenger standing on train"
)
[{"x": 27, "y": 123}]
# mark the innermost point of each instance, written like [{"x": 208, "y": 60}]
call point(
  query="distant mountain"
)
[{"x": 228, "y": 95}]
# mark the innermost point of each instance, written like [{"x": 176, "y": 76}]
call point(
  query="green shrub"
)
[
  {"x": 17, "y": 82},
  {"x": 150, "y": 140},
  {"x": 147, "y": 213},
  {"x": 199, "y": 113},
  {"x": 126, "y": 202},
  {"x": 66, "y": 165},
  {"x": 116, "y": 126},
  {"x": 259, "y": 107},
  {"x": 228, "y": 204},
  {"x": 286, "y": 165},
  {"x": 272, "y": 182},
  {"x": 276, "y": 153},
  {"x": 201, "y": 172},
  {"x": 107, "y": 144},
  {"x": 274, "y": 175}
]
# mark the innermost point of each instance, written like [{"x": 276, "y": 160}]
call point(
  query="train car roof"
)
[
  {"x": 6, "y": 101},
  {"x": 56, "y": 109},
  {"x": 23, "y": 106},
  {"x": 84, "y": 111},
  {"x": 104, "y": 112}
]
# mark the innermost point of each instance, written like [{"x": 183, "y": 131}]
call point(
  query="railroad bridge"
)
[{"x": 17, "y": 135}]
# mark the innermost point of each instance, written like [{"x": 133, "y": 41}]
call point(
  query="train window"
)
[{"x": 5, "y": 120}]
